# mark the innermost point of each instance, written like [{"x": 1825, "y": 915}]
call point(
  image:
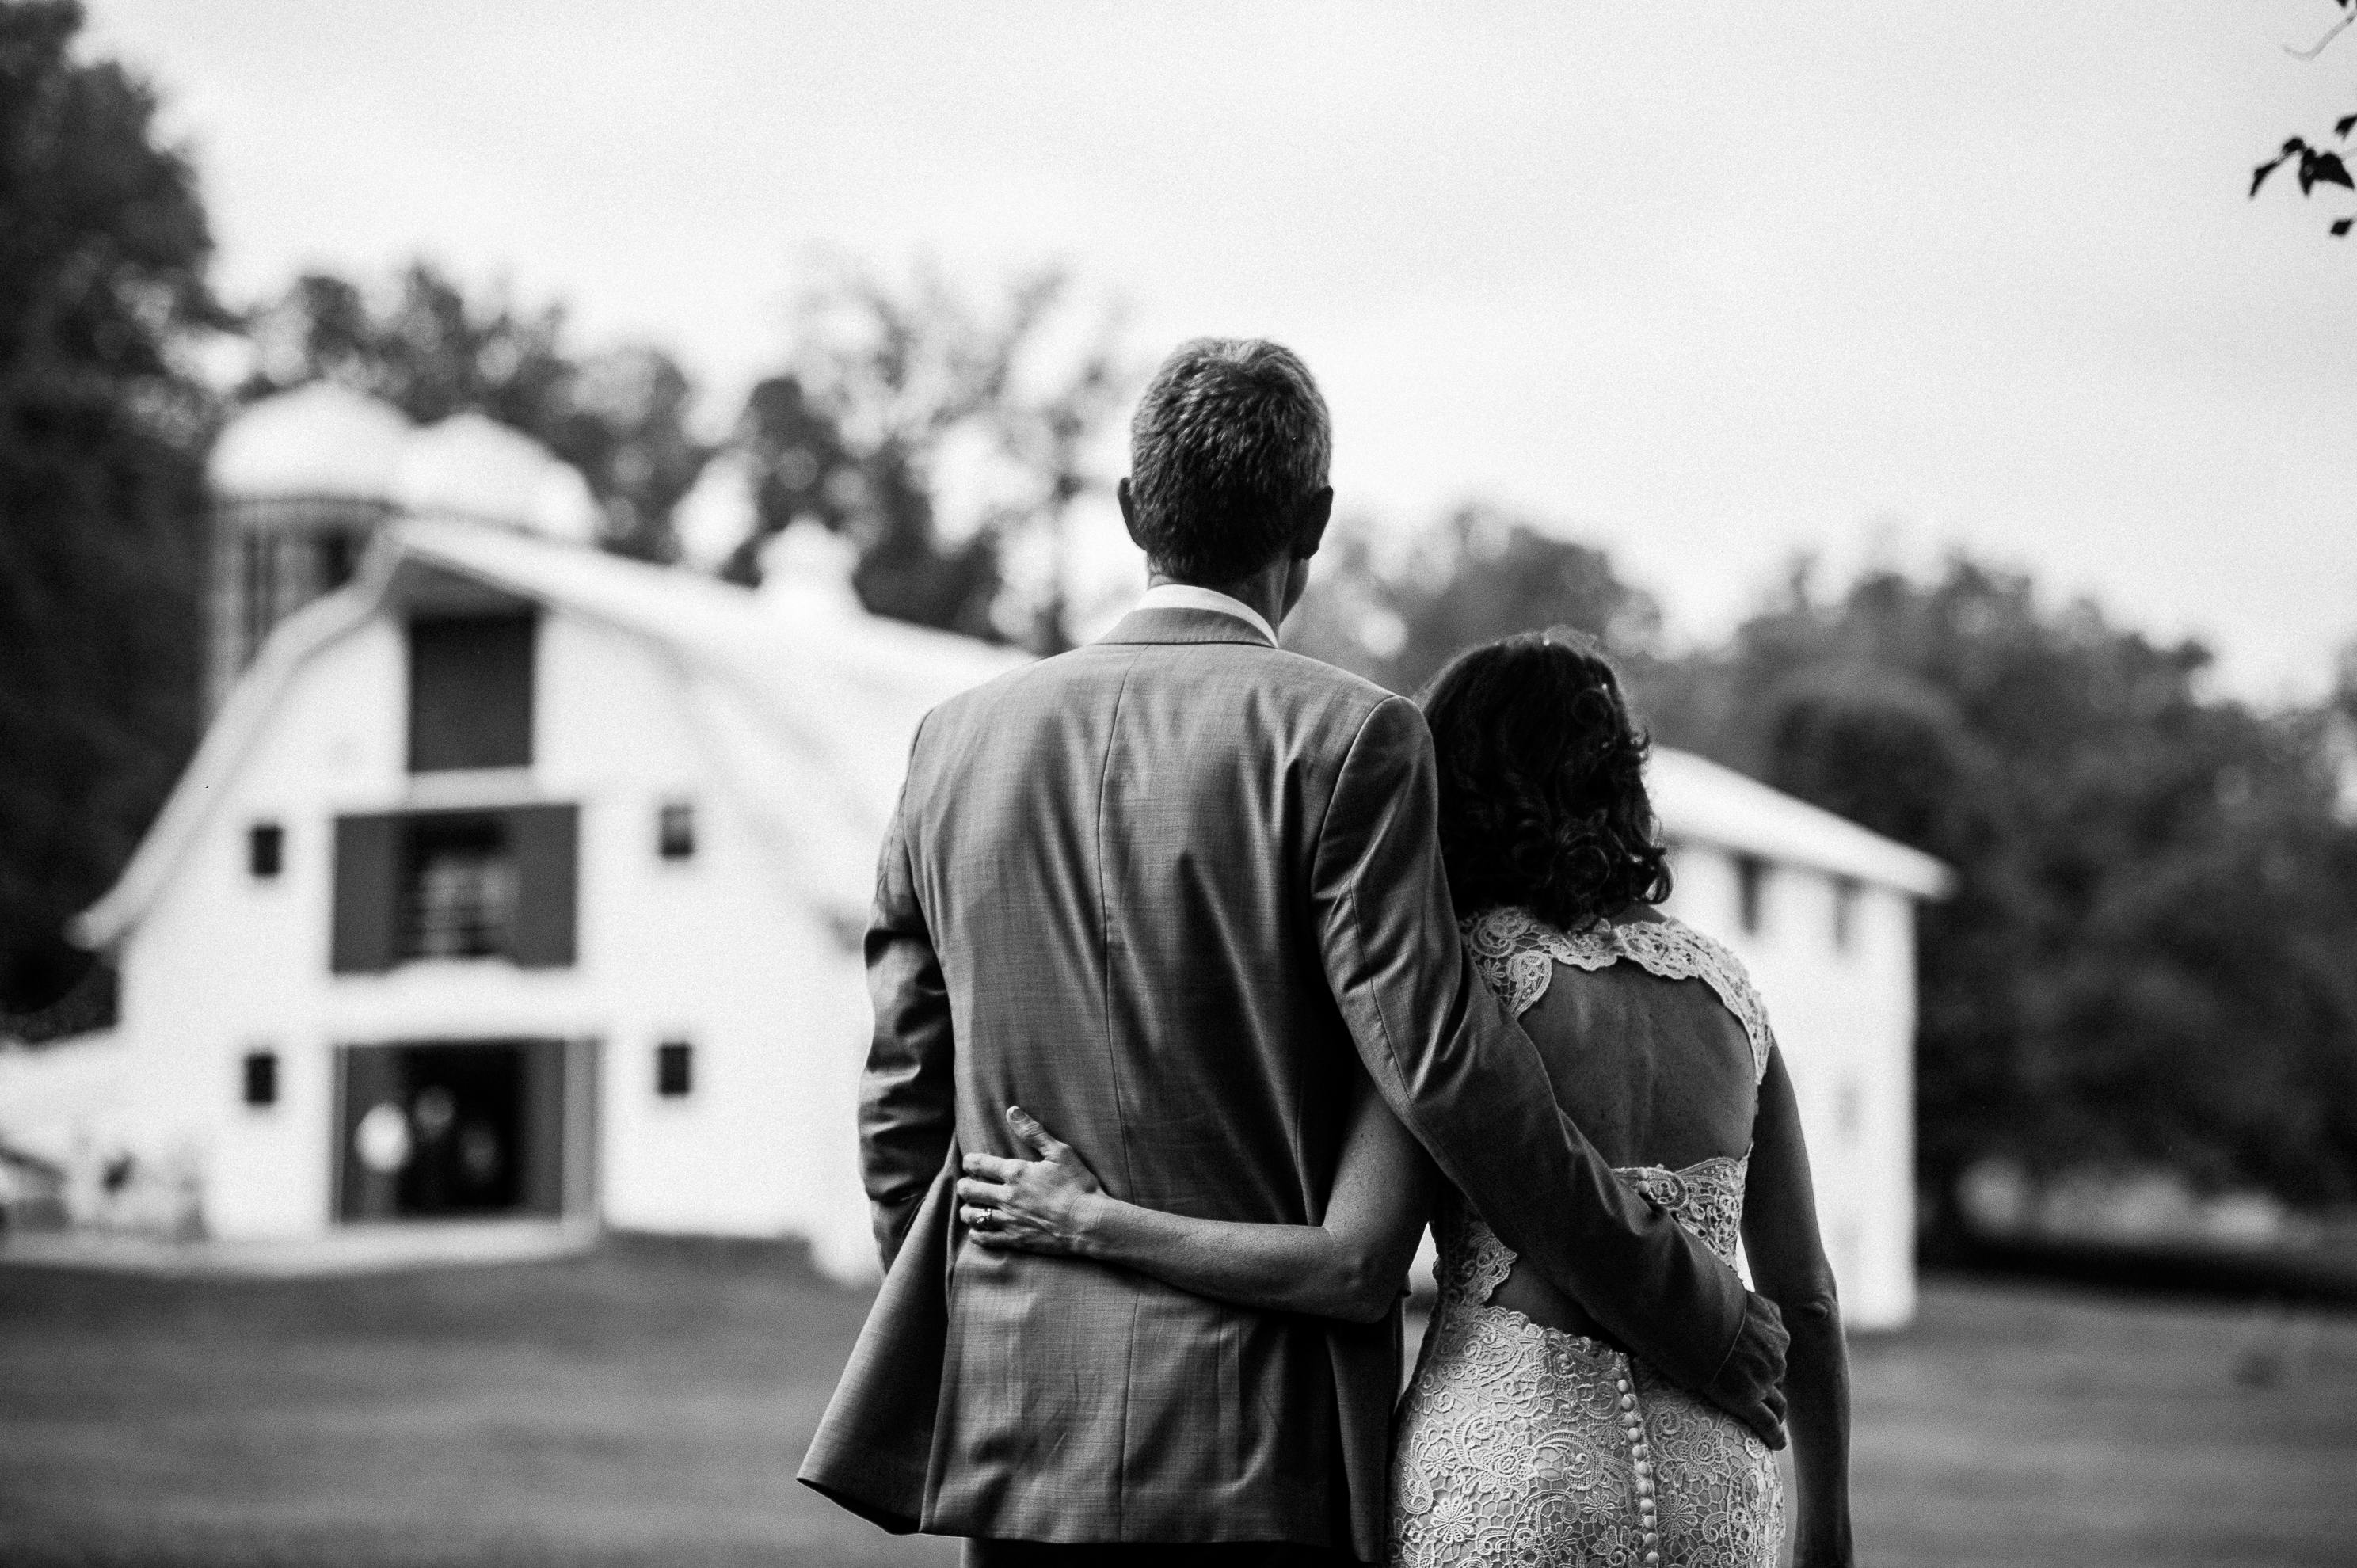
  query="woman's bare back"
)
[{"x": 1656, "y": 1071}]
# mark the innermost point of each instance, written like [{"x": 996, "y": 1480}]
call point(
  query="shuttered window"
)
[
  {"x": 470, "y": 693},
  {"x": 422, "y": 884}
]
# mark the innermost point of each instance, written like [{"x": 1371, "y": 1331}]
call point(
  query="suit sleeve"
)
[
  {"x": 908, "y": 1091},
  {"x": 1469, "y": 1082}
]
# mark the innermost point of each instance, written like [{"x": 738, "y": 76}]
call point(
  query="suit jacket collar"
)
[{"x": 1156, "y": 623}]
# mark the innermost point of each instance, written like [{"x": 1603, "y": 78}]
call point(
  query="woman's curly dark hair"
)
[{"x": 1542, "y": 799}]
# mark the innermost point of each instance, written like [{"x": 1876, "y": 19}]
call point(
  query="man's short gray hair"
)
[{"x": 1231, "y": 437}]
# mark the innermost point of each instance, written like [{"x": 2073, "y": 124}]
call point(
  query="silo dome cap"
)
[
  {"x": 470, "y": 465},
  {"x": 320, "y": 440}
]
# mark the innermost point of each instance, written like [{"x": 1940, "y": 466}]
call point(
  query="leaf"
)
[
  {"x": 2259, "y": 175},
  {"x": 2341, "y": 127},
  {"x": 2340, "y": 227},
  {"x": 2322, "y": 168},
  {"x": 2293, "y": 145}
]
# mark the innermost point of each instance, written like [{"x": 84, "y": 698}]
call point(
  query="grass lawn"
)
[{"x": 649, "y": 1404}]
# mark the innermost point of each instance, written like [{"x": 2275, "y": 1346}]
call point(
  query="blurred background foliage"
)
[
  {"x": 2152, "y": 958},
  {"x": 2152, "y": 955}
]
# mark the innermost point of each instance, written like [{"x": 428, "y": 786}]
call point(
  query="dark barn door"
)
[{"x": 461, "y": 1129}]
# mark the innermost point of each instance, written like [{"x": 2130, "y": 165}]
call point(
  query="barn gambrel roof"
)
[{"x": 804, "y": 702}]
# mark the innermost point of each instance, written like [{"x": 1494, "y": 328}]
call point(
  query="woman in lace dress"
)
[{"x": 1527, "y": 1436}]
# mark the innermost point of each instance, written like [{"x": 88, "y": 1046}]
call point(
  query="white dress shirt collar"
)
[{"x": 1188, "y": 597}]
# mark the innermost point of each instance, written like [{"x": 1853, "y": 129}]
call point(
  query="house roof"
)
[
  {"x": 805, "y": 704},
  {"x": 1699, "y": 802}
]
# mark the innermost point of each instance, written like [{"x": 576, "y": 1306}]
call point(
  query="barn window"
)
[
  {"x": 674, "y": 1069},
  {"x": 420, "y": 884},
  {"x": 1750, "y": 892},
  {"x": 261, "y": 1076},
  {"x": 458, "y": 888},
  {"x": 470, "y": 699},
  {"x": 340, "y": 554},
  {"x": 1845, "y": 912},
  {"x": 265, "y": 850},
  {"x": 675, "y": 830}
]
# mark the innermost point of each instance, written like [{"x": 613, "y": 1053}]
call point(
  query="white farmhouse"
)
[
  {"x": 1822, "y": 912},
  {"x": 512, "y": 879}
]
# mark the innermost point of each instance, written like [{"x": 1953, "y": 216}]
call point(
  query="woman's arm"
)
[
  {"x": 1351, "y": 1266},
  {"x": 1787, "y": 1263}
]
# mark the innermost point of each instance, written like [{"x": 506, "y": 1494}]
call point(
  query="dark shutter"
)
[
  {"x": 368, "y": 894},
  {"x": 470, "y": 682},
  {"x": 543, "y": 1127},
  {"x": 546, "y": 840},
  {"x": 368, "y": 1076},
  {"x": 580, "y": 1128}
]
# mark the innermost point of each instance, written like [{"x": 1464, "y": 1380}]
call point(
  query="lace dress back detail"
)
[
  {"x": 1515, "y": 953},
  {"x": 1526, "y": 1444}
]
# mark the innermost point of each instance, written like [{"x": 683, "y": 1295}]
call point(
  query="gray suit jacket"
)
[{"x": 1168, "y": 892}]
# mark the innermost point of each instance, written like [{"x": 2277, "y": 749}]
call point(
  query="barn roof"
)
[
  {"x": 807, "y": 703},
  {"x": 320, "y": 440}
]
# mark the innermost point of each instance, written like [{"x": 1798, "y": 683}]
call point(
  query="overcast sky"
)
[{"x": 1708, "y": 284}]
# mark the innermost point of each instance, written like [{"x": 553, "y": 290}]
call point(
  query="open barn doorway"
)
[{"x": 464, "y": 1128}]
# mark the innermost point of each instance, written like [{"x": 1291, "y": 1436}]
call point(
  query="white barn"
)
[
  {"x": 515, "y": 879},
  {"x": 565, "y": 858}
]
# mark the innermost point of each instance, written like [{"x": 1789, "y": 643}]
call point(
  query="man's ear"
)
[
  {"x": 1310, "y": 532},
  {"x": 1129, "y": 512}
]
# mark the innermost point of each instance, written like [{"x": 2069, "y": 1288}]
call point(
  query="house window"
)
[
  {"x": 676, "y": 831},
  {"x": 1750, "y": 892},
  {"x": 265, "y": 850},
  {"x": 470, "y": 697},
  {"x": 1845, "y": 912},
  {"x": 1849, "y": 1111},
  {"x": 674, "y": 1069},
  {"x": 261, "y": 1076},
  {"x": 458, "y": 892}
]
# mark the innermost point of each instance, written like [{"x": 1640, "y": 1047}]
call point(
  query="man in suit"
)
[{"x": 1168, "y": 892}]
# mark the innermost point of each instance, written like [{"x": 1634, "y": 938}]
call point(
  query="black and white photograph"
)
[{"x": 1206, "y": 785}]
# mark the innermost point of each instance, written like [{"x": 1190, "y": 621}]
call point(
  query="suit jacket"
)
[{"x": 1168, "y": 892}]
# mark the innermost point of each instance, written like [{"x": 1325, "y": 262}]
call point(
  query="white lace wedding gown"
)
[{"x": 1525, "y": 1445}]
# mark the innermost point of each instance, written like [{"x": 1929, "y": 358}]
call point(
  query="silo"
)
[{"x": 298, "y": 483}]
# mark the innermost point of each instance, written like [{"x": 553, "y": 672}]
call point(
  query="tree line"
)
[{"x": 2148, "y": 959}]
